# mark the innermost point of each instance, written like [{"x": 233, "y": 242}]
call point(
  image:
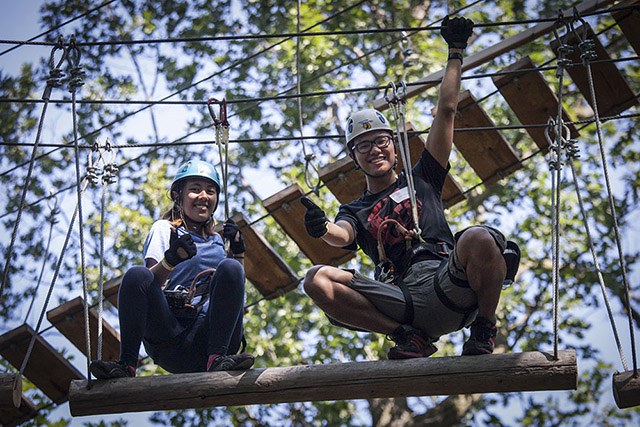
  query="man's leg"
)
[
  {"x": 327, "y": 287},
  {"x": 482, "y": 259}
]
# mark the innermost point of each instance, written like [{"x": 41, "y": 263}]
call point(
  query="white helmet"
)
[{"x": 364, "y": 121}]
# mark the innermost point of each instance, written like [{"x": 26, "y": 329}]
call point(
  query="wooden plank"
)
[
  {"x": 263, "y": 267},
  {"x": 10, "y": 390},
  {"x": 68, "y": 318},
  {"x": 286, "y": 209},
  {"x": 110, "y": 290},
  {"x": 626, "y": 389},
  {"x": 496, "y": 50},
  {"x": 486, "y": 151},
  {"x": 531, "y": 99},
  {"x": 629, "y": 22},
  {"x": 13, "y": 416},
  {"x": 47, "y": 369},
  {"x": 613, "y": 94},
  {"x": 497, "y": 373},
  {"x": 347, "y": 183}
]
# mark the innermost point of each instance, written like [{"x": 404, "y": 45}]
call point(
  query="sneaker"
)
[
  {"x": 511, "y": 256},
  {"x": 483, "y": 332},
  {"x": 410, "y": 343},
  {"x": 103, "y": 370},
  {"x": 234, "y": 362}
]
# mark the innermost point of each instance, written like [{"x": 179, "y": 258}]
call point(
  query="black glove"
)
[
  {"x": 315, "y": 221},
  {"x": 456, "y": 31},
  {"x": 231, "y": 233},
  {"x": 180, "y": 248}
]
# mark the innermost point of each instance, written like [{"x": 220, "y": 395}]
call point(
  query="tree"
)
[{"x": 255, "y": 68}]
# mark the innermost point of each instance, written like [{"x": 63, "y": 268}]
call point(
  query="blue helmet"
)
[{"x": 197, "y": 168}]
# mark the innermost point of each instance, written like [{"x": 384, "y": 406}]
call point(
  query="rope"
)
[
  {"x": 555, "y": 165},
  {"x": 308, "y": 157},
  {"x": 398, "y": 108},
  {"x": 587, "y": 47},
  {"x": 239, "y": 62},
  {"x": 222, "y": 138},
  {"x": 572, "y": 152},
  {"x": 282, "y": 97},
  {"x": 52, "y": 220},
  {"x": 57, "y": 27},
  {"x": 237, "y": 37},
  {"x": 55, "y": 80},
  {"x": 76, "y": 76},
  {"x": 53, "y": 281}
]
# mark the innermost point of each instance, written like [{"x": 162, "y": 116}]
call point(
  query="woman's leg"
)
[
  {"x": 226, "y": 306},
  {"x": 144, "y": 313}
]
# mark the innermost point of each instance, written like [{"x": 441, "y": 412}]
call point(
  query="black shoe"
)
[
  {"x": 483, "y": 332},
  {"x": 107, "y": 370},
  {"x": 235, "y": 362},
  {"x": 511, "y": 257},
  {"x": 410, "y": 343}
]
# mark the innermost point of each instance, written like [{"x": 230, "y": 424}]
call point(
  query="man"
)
[{"x": 438, "y": 283}]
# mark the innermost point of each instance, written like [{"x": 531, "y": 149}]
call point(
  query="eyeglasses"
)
[{"x": 365, "y": 146}]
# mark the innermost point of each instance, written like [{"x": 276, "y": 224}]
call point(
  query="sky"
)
[{"x": 19, "y": 21}]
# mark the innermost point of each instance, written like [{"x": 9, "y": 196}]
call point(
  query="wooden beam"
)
[
  {"x": 263, "y": 267},
  {"x": 287, "y": 210},
  {"x": 347, "y": 183},
  {"x": 496, "y": 50},
  {"x": 626, "y": 389},
  {"x": 47, "y": 369},
  {"x": 487, "y": 151},
  {"x": 613, "y": 93},
  {"x": 531, "y": 99},
  {"x": 10, "y": 390},
  {"x": 629, "y": 22},
  {"x": 12, "y": 416},
  {"x": 68, "y": 318},
  {"x": 497, "y": 373},
  {"x": 110, "y": 290}
]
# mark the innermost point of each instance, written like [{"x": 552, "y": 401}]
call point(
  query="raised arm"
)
[{"x": 456, "y": 32}]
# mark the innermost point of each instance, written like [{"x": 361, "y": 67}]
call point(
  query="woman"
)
[{"x": 203, "y": 334}]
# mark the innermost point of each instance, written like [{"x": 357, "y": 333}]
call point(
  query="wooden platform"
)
[
  {"x": 347, "y": 183},
  {"x": 498, "y": 373},
  {"x": 68, "y": 318},
  {"x": 486, "y": 151},
  {"x": 286, "y": 209},
  {"x": 47, "y": 369},
  {"x": 629, "y": 22},
  {"x": 613, "y": 93},
  {"x": 531, "y": 99},
  {"x": 263, "y": 267}
]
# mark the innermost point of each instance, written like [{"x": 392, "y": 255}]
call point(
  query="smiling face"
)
[
  {"x": 199, "y": 199},
  {"x": 379, "y": 160}
]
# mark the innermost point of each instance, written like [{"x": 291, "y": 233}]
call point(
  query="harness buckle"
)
[{"x": 385, "y": 272}]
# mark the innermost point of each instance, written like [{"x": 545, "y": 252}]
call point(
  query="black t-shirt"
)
[{"x": 367, "y": 213}]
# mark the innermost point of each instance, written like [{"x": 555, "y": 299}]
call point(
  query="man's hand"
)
[
  {"x": 315, "y": 221},
  {"x": 456, "y": 31},
  {"x": 180, "y": 248},
  {"x": 231, "y": 233}
]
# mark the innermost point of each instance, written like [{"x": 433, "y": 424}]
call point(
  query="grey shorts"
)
[{"x": 442, "y": 300}]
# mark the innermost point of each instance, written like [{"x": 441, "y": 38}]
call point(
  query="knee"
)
[
  {"x": 230, "y": 274},
  {"x": 135, "y": 278},
  {"x": 477, "y": 242},
  {"x": 313, "y": 281}
]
